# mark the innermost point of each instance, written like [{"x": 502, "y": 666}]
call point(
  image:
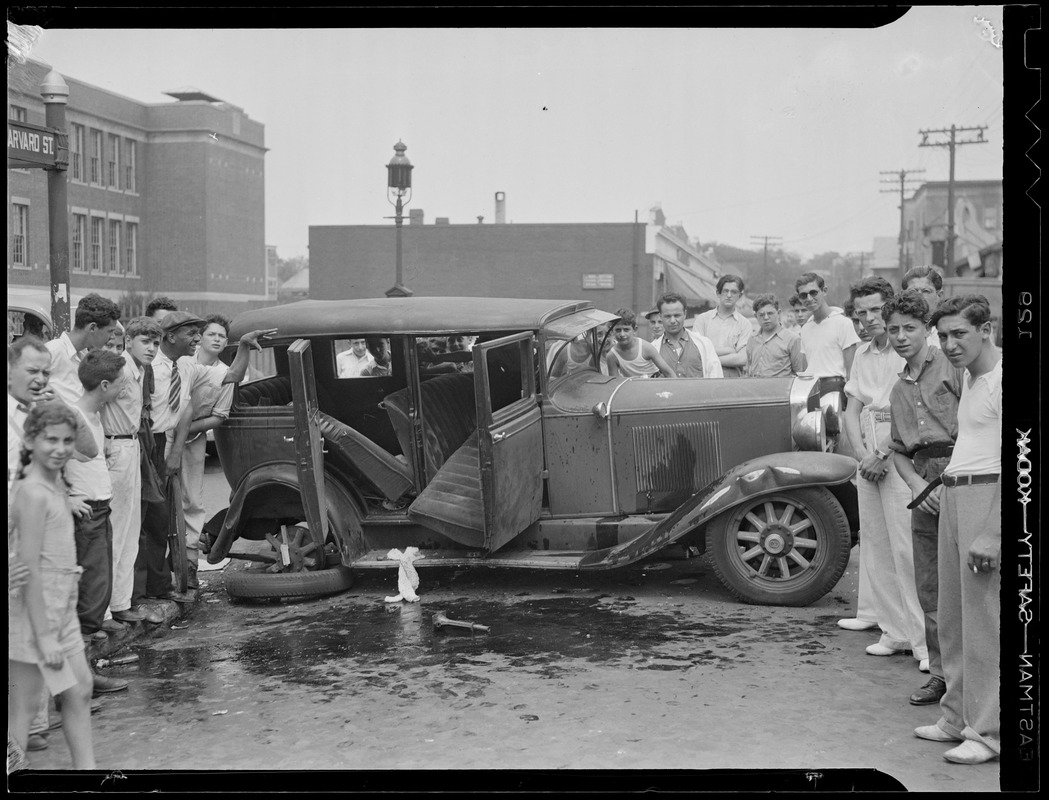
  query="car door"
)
[
  {"x": 509, "y": 436},
  {"x": 309, "y": 444}
]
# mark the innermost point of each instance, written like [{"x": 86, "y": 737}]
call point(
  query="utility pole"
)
[
  {"x": 951, "y": 143},
  {"x": 764, "y": 240},
  {"x": 902, "y": 176}
]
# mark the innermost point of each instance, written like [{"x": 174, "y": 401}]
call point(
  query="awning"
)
[{"x": 688, "y": 284}]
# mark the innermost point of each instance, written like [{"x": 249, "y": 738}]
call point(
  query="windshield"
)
[{"x": 585, "y": 351}]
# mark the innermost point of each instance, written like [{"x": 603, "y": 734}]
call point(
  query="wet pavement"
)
[{"x": 651, "y": 667}]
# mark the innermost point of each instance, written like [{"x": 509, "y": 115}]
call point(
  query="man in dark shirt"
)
[{"x": 924, "y": 406}]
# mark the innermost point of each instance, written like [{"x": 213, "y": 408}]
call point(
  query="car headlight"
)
[{"x": 810, "y": 431}]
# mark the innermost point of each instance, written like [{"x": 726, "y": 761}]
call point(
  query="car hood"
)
[{"x": 673, "y": 394}]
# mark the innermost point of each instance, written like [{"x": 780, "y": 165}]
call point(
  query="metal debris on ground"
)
[
  {"x": 130, "y": 658},
  {"x": 441, "y": 620}
]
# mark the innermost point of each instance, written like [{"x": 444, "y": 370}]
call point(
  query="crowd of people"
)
[
  {"x": 921, "y": 377},
  {"x": 106, "y": 436}
]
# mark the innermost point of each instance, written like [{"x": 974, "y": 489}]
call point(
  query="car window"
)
[
  {"x": 565, "y": 356},
  {"x": 440, "y": 354},
  {"x": 362, "y": 357}
]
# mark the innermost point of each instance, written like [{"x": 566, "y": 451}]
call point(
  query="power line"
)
[
  {"x": 902, "y": 176},
  {"x": 765, "y": 261},
  {"x": 952, "y": 143}
]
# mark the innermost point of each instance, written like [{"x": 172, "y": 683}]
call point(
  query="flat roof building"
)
[{"x": 164, "y": 198}]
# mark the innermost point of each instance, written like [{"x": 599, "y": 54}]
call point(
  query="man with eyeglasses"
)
[
  {"x": 726, "y": 327},
  {"x": 773, "y": 351},
  {"x": 829, "y": 339},
  {"x": 928, "y": 282}
]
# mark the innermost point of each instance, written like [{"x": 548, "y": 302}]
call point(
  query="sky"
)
[{"x": 736, "y": 133}]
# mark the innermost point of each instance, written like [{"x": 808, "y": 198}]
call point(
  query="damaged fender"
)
[{"x": 759, "y": 476}]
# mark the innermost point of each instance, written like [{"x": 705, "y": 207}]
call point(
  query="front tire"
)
[{"x": 787, "y": 549}]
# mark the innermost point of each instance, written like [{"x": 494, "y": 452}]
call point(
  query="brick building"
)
[
  {"x": 164, "y": 198},
  {"x": 977, "y": 227},
  {"x": 612, "y": 264}
]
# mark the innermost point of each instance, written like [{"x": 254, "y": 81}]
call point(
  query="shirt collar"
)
[
  {"x": 906, "y": 374},
  {"x": 14, "y": 405},
  {"x": 136, "y": 370},
  {"x": 69, "y": 347},
  {"x": 684, "y": 336}
]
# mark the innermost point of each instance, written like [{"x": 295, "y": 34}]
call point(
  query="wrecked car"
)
[{"x": 483, "y": 432}]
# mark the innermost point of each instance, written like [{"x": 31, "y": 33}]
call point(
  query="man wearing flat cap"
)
[{"x": 175, "y": 373}]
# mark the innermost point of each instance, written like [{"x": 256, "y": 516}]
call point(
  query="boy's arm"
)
[
  {"x": 652, "y": 354},
  {"x": 612, "y": 364}
]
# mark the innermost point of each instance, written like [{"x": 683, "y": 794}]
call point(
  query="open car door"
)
[
  {"x": 509, "y": 436},
  {"x": 309, "y": 444}
]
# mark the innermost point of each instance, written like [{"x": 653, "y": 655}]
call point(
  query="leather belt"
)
[
  {"x": 966, "y": 480},
  {"x": 98, "y": 504},
  {"x": 934, "y": 451},
  {"x": 122, "y": 436}
]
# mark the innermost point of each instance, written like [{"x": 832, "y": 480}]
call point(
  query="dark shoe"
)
[
  {"x": 930, "y": 693},
  {"x": 105, "y": 685},
  {"x": 96, "y": 636},
  {"x": 148, "y": 614},
  {"x": 178, "y": 597},
  {"x": 192, "y": 584},
  {"x": 113, "y": 625},
  {"x": 128, "y": 615},
  {"x": 37, "y": 741}
]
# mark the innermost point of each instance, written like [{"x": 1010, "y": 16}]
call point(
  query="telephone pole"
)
[
  {"x": 951, "y": 143},
  {"x": 902, "y": 176},
  {"x": 776, "y": 241}
]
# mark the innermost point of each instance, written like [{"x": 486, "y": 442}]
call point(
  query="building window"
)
[
  {"x": 20, "y": 234},
  {"x": 97, "y": 232},
  {"x": 17, "y": 113},
  {"x": 79, "y": 238},
  {"x": 96, "y": 157},
  {"x": 114, "y": 246},
  {"x": 129, "y": 165},
  {"x": 131, "y": 245},
  {"x": 76, "y": 151},
  {"x": 113, "y": 171},
  {"x": 599, "y": 280},
  {"x": 990, "y": 218}
]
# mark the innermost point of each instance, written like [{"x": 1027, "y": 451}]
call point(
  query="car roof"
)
[
  {"x": 37, "y": 302},
  {"x": 394, "y": 315}
]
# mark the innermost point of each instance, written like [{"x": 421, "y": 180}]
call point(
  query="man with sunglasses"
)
[{"x": 829, "y": 338}]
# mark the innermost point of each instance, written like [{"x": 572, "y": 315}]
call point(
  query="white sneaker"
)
[
  {"x": 854, "y": 624},
  {"x": 934, "y": 733},
  {"x": 970, "y": 752},
  {"x": 923, "y": 665},
  {"x": 878, "y": 649}
]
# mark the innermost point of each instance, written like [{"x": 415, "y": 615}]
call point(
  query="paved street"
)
[{"x": 650, "y": 667}]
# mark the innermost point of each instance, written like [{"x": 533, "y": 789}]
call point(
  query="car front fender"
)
[{"x": 758, "y": 476}]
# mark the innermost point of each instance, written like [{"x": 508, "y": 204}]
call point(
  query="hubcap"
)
[{"x": 776, "y": 541}]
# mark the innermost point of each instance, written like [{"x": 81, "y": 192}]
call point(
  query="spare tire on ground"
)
[{"x": 308, "y": 583}]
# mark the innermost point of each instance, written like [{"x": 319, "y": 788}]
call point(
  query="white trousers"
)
[
  {"x": 125, "y": 472},
  {"x": 193, "y": 455},
  {"x": 887, "y": 558}
]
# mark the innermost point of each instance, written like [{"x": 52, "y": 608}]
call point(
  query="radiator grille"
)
[{"x": 670, "y": 458}]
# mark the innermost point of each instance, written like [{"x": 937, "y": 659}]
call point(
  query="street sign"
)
[{"x": 35, "y": 146}]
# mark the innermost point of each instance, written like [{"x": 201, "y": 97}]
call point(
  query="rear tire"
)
[{"x": 251, "y": 584}]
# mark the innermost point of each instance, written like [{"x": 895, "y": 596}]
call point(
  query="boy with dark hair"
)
[
  {"x": 726, "y": 327},
  {"x": 886, "y": 548},
  {"x": 94, "y": 322},
  {"x": 970, "y": 540},
  {"x": 924, "y": 405},
  {"x": 121, "y": 422},
  {"x": 160, "y": 307},
  {"x": 688, "y": 353},
  {"x": 773, "y": 351},
  {"x": 927, "y": 280},
  {"x": 89, "y": 480},
  {"x": 631, "y": 356},
  {"x": 829, "y": 339}
]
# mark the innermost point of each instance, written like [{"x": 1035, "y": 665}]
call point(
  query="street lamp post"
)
[
  {"x": 399, "y": 193},
  {"x": 55, "y": 92}
]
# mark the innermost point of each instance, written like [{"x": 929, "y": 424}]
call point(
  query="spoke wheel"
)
[{"x": 789, "y": 548}]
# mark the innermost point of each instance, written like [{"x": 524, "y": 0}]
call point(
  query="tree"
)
[{"x": 289, "y": 267}]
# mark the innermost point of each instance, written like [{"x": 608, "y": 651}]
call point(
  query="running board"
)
[{"x": 523, "y": 559}]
